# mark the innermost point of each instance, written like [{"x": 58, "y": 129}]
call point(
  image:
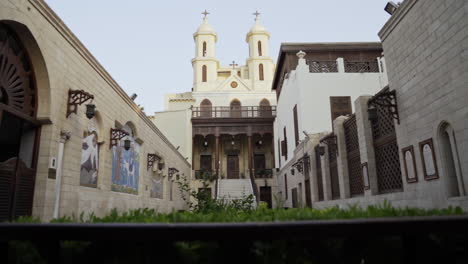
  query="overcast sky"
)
[{"x": 147, "y": 45}]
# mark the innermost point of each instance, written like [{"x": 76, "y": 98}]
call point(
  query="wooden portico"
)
[{"x": 232, "y": 142}]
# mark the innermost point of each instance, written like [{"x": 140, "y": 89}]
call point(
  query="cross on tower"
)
[
  {"x": 205, "y": 13},
  {"x": 256, "y": 14},
  {"x": 233, "y": 64}
]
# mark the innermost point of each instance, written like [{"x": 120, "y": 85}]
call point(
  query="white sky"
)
[{"x": 147, "y": 45}]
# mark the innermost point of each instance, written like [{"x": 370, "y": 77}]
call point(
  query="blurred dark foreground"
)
[{"x": 435, "y": 239}]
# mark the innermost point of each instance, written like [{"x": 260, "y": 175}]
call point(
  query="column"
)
[
  {"x": 217, "y": 156},
  {"x": 249, "y": 140},
  {"x": 366, "y": 143},
  {"x": 342, "y": 158}
]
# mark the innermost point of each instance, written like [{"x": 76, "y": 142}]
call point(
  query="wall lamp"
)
[
  {"x": 116, "y": 135},
  {"x": 391, "y": 7},
  {"x": 75, "y": 98}
]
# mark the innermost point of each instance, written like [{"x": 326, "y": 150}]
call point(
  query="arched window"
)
[
  {"x": 260, "y": 72},
  {"x": 454, "y": 181},
  {"x": 204, "y": 49},
  {"x": 204, "y": 74},
  {"x": 259, "y": 45},
  {"x": 265, "y": 108},
  {"x": 205, "y": 108},
  {"x": 236, "y": 108}
]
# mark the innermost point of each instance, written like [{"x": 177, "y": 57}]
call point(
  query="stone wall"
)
[{"x": 61, "y": 63}]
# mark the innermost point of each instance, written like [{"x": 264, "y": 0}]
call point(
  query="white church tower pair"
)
[{"x": 258, "y": 72}]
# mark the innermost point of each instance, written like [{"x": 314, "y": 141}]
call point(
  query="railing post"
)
[{"x": 341, "y": 65}]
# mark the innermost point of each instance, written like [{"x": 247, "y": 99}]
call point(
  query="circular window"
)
[{"x": 234, "y": 84}]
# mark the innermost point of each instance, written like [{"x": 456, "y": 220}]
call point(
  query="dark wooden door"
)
[
  {"x": 308, "y": 194},
  {"x": 17, "y": 173},
  {"x": 265, "y": 195},
  {"x": 205, "y": 162},
  {"x": 294, "y": 198},
  {"x": 233, "y": 167}
]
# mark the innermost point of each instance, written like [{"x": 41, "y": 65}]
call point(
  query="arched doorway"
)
[
  {"x": 236, "y": 108},
  {"x": 19, "y": 130},
  {"x": 453, "y": 179},
  {"x": 205, "y": 108},
  {"x": 265, "y": 108}
]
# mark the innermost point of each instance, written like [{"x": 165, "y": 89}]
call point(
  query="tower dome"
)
[{"x": 205, "y": 28}]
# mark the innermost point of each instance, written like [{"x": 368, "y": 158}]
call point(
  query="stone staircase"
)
[{"x": 230, "y": 189}]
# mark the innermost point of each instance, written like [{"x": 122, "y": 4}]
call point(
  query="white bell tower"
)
[
  {"x": 205, "y": 65},
  {"x": 261, "y": 66}
]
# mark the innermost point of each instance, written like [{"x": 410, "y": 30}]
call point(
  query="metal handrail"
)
[{"x": 234, "y": 112}]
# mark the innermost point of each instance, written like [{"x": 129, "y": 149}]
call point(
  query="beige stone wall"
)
[
  {"x": 425, "y": 45},
  {"x": 61, "y": 63}
]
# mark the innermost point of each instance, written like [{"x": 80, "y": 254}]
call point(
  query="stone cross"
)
[
  {"x": 256, "y": 14},
  {"x": 233, "y": 64},
  {"x": 205, "y": 13}
]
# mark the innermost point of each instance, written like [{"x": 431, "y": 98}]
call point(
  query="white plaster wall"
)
[
  {"x": 311, "y": 92},
  {"x": 176, "y": 126}
]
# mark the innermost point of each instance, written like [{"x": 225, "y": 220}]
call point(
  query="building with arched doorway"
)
[
  {"x": 71, "y": 140},
  {"x": 225, "y": 123}
]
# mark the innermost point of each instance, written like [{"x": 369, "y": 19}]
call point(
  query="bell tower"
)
[
  {"x": 261, "y": 66},
  {"x": 205, "y": 64}
]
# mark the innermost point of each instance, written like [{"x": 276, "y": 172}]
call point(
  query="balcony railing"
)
[
  {"x": 323, "y": 66},
  {"x": 234, "y": 112},
  {"x": 361, "y": 66},
  {"x": 205, "y": 175},
  {"x": 263, "y": 173}
]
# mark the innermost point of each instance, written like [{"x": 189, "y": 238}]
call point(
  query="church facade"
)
[{"x": 228, "y": 116}]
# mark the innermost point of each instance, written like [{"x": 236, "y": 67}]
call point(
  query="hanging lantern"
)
[
  {"x": 372, "y": 113},
  {"x": 205, "y": 144},
  {"x": 127, "y": 144},
  {"x": 90, "y": 111},
  {"x": 321, "y": 150}
]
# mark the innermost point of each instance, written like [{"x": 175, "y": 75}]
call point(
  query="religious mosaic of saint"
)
[
  {"x": 89, "y": 158},
  {"x": 126, "y": 167}
]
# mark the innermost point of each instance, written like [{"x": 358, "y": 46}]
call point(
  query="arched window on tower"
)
[
  {"x": 205, "y": 108},
  {"x": 236, "y": 108},
  {"x": 204, "y": 73},
  {"x": 260, "y": 72},
  {"x": 259, "y": 48},
  {"x": 265, "y": 108},
  {"x": 204, "y": 49}
]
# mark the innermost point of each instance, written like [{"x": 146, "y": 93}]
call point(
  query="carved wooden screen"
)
[
  {"x": 318, "y": 165},
  {"x": 296, "y": 126},
  {"x": 340, "y": 106},
  {"x": 386, "y": 152},
  {"x": 356, "y": 185},
  {"x": 17, "y": 89}
]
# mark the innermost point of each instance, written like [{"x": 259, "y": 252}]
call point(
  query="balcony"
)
[
  {"x": 361, "y": 66},
  {"x": 263, "y": 173},
  {"x": 233, "y": 112},
  {"x": 205, "y": 175},
  {"x": 343, "y": 66}
]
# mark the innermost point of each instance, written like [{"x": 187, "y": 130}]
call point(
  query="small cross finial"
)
[
  {"x": 205, "y": 14},
  {"x": 256, "y": 14},
  {"x": 233, "y": 64}
]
